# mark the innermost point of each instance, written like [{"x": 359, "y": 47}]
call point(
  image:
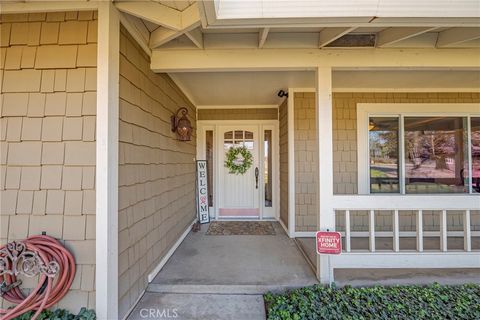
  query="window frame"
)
[{"x": 402, "y": 110}]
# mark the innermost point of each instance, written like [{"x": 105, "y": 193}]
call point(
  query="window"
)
[
  {"x": 209, "y": 158},
  {"x": 435, "y": 154},
  {"x": 383, "y": 142},
  {"x": 426, "y": 149},
  {"x": 475, "y": 151},
  {"x": 267, "y": 163}
]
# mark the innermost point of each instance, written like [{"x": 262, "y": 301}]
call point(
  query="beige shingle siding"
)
[
  {"x": 345, "y": 153},
  {"x": 283, "y": 134},
  {"x": 305, "y": 163},
  {"x": 156, "y": 172},
  {"x": 47, "y": 139}
]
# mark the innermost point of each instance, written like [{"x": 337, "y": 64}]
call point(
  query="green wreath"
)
[{"x": 238, "y": 160}]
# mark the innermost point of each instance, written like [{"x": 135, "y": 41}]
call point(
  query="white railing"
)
[
  {"x": 396, "y": 234},
  {"x": 397, "y": 257}
]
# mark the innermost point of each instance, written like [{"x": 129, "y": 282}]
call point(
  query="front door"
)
[{"x": 239, "y": 194}]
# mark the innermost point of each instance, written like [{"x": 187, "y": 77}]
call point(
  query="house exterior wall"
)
[
  {"x": 156, "y": 172},
  {"x": 345, "y": 151},
  {"x": 283, "y": 137},
  {"x": 47, "y": 141},
  {"x": 238, "y": 114}
]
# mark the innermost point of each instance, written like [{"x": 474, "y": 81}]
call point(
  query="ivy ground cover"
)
[{"x": 397, "y": 302}]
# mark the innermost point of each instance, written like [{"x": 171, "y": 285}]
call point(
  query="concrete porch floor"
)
[{"x": 224, "y": 277}]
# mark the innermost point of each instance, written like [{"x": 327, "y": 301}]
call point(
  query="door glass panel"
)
[
  {"x": 435, "y": 155},
  {"x": 209, "y": 158},
  {"x": 267, "y": 163},
  {"x": 228, "y": 135},
  {"x": 383, "y": 142},
  {"x": 238, "y": 136},
  {"x": 475, "y": 129}
]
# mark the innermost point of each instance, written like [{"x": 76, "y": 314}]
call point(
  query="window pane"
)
[
  {"x": 435, "y": 154},
  {"x": 383, "y": 141},
  {"x": 475, "y": 129},
  {"x": 267, "y": 163},
  {"x": 209, "y": 158}
]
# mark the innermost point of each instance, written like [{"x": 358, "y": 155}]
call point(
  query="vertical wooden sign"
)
[{"x": 202, "y": 192}]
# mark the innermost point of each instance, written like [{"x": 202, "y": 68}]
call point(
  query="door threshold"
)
[{"x": 244, "y": 219}]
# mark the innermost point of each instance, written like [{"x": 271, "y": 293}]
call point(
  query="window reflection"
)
[
  {"x": 209, "y": 158},
  {"x": 383, "y": 142},
  {"x": 475, "y": 138},
  {"x": 435, "y": 154},
  {"x": 267, "y": 163}
]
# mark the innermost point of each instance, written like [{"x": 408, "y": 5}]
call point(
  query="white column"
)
[
  {"x": 107, "y": 161},
  {"x": 291, "y": 162},
  {"x": 324, "y": 113}
]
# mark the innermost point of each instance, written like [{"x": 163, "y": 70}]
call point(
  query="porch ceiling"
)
[
  {"x": 261, "y": 88},
  {"x": 199, "y": 25}
]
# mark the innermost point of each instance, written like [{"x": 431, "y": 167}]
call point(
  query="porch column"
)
[
  {"x": 107, "y": 161},
  {"x": 324, "y": 126}
]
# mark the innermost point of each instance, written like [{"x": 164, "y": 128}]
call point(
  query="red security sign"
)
[{"x": 329, "y": 242}]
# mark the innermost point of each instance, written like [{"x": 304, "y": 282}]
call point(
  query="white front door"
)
[{"x": 239, "y": 194}]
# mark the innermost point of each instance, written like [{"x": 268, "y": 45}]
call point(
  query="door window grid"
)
[{"x": 238, "y": 138}]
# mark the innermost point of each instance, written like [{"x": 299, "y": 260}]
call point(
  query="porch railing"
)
[{"x": 418, "y": 257}]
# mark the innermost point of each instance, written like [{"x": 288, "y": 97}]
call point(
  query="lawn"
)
[{"x": 379, "y": 302}]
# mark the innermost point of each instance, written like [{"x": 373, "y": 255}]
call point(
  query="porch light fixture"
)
[{"x": 181, "y": 125}]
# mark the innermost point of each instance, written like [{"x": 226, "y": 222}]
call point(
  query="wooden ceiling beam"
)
[
  {"x": 262, "y": 37},
  {"x": 328, "y": 35},
  {"x": 393, "y": 35},
  {"x": 451, "y": 37},
  {"x": 196, "y": 36},
  {"x": 153, "y": 12}
]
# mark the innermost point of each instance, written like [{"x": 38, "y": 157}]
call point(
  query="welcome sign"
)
[{"x": 202, "y": 192}]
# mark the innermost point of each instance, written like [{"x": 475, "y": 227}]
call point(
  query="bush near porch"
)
[{"x": 379, "y": 302}]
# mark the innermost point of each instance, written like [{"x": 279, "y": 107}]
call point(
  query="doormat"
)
[{"x": 241, "y": 228}]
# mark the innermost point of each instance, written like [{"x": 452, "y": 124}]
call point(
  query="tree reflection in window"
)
[
  {"x": 436, "y": 155},
  {"x": 475, "y": 129},
  {"x": 383, "y": 141}
]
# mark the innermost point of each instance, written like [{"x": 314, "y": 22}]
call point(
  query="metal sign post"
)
[{"x": 202, "y": 192}]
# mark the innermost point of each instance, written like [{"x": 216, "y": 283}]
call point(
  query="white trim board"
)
[
  {"x": 238, "y": 106},
  {"x": 203, "y": 125},
  {"x": 129, "y": 311},
  {"x": 170, "y": 252},
  {"x": 291, "y": 161},
  {"x": 305, "y": 234},
  {"x": 393, "y": 90},
  {"x": 283, "y": 226},
  {"x": 405, "y": 260},
  {"x": 47, "y": 6},
  {"x": 106, "y": 171}
]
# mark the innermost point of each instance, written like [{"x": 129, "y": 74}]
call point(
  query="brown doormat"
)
[{"x": 241, "y": 228}]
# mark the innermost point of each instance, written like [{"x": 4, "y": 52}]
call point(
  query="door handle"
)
[{"x": 256, "y": 178}]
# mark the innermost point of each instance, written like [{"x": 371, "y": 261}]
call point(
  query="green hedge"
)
[
  {"x": 397, "y": 302},
  {"x": 60, "y": 314}
]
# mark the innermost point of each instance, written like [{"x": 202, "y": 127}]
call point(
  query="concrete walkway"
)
[{"x": 224, "y": 277}]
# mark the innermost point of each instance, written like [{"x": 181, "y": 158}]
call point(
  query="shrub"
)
[
  {"x": 379, "y": 302},
  {"x": 60, "y": 314}
]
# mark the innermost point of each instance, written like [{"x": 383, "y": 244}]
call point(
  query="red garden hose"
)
[{"x": 49, "y": 289}]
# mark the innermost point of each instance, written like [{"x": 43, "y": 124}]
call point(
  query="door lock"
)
[{"x": 256, "y": 178}]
